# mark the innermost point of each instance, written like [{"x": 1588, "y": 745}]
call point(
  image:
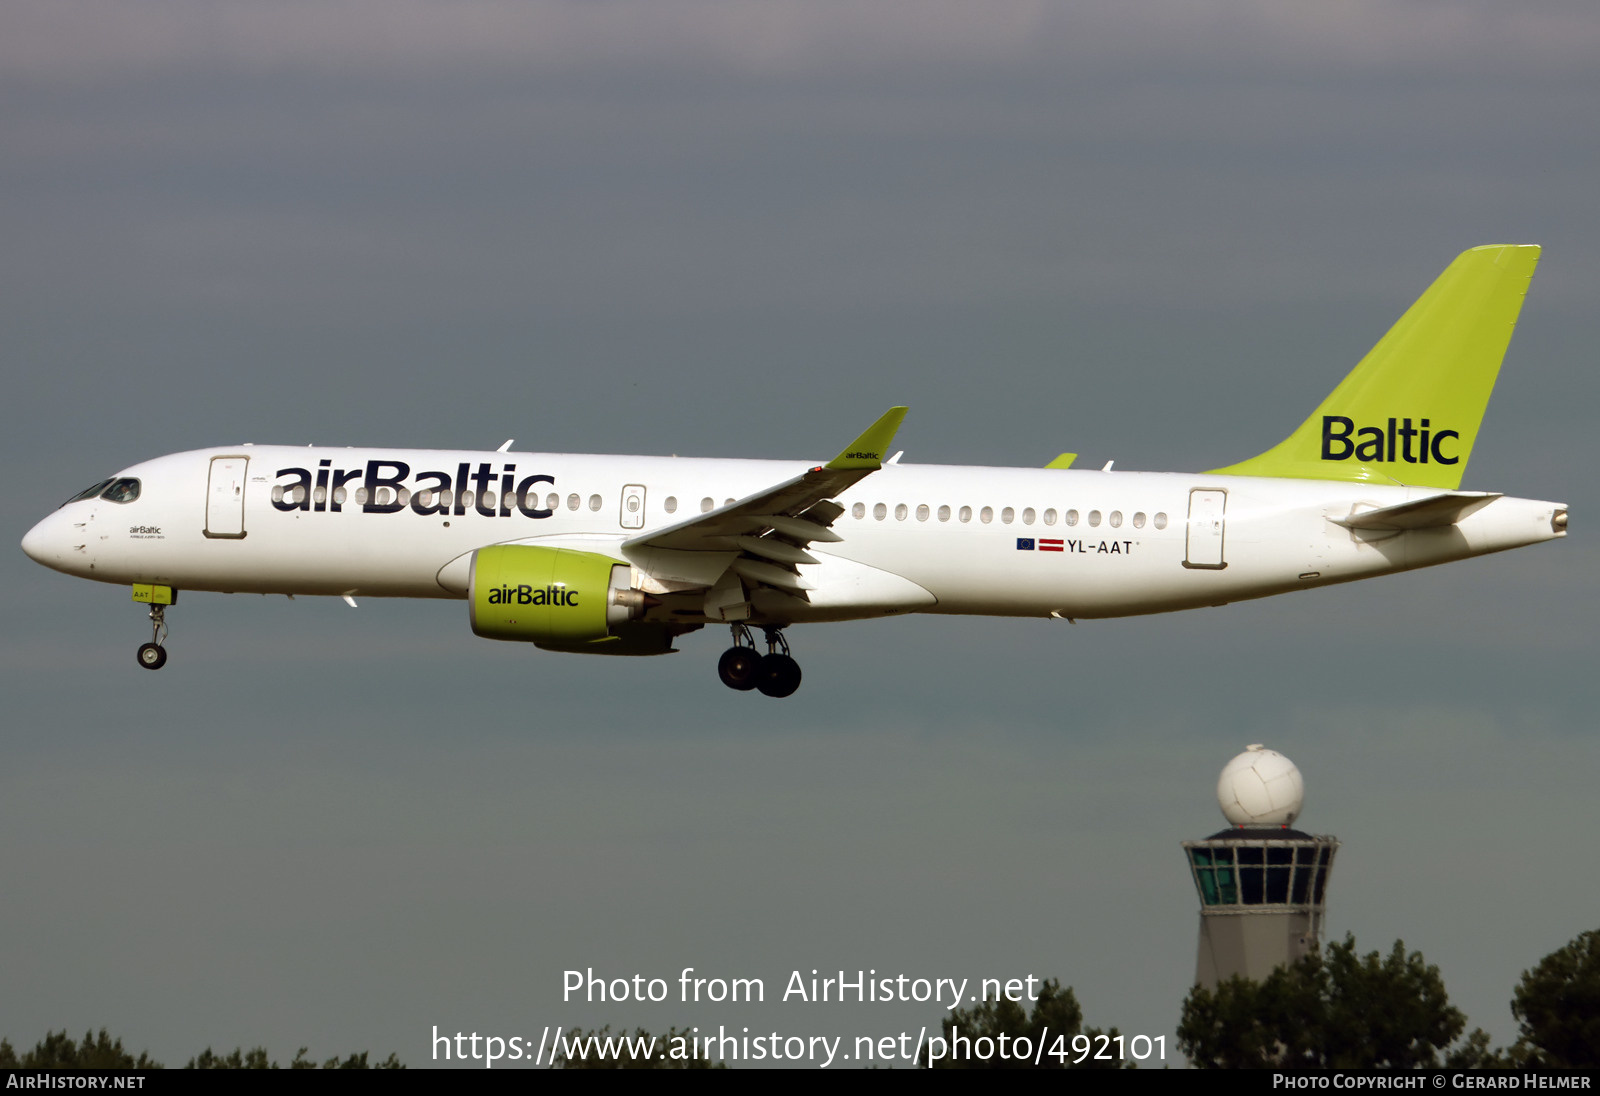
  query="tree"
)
[
  {"x": 1558, "y": 1007},
  {"x": 239, "y": 1059},
  {"x": 256, "y": 1058},
  {"x": 1342, "y": 1011},
  {"x": 1056, "y": 1019},
  {"x": 58, "y": 1051}
]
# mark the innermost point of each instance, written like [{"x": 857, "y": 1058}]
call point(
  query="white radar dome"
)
[{"x": 1261, "y": 787}]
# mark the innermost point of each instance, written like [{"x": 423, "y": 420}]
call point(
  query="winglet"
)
[
  {"x": 1063, "y": 461},
  {"x": 867, "y": 451}
]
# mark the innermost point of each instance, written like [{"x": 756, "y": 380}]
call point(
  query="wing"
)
[{"x": 759, "y": 540}]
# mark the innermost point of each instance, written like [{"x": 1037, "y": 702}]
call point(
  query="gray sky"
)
[{"x": 1155, "y": 233}]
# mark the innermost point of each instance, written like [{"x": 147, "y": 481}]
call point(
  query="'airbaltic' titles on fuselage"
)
[
  {"x": 527, "y": 595},
  {"x": 430, "y": 492},
  {"x": 1378, "y": 445}
]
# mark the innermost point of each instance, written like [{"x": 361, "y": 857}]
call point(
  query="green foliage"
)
[
  {"x": 57, "y": 1051},
  {"x": 1473, "y": 1053},
  {"x": 671, "y": 1051},
  {"x": 1558, "y": 1007},
  {"x": 1344, "y": 1011},
  {"x": 257, "y": 1059},
  {"x": 239, "y": 1059},
  {"x": 1056, "y": 1018}
]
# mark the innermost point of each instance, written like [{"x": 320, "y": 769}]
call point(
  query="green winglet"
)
[
  {"x": 1063, "y": 461},
  {"x": 867, "y": 450},
  {"x": 1410, "y": 410}
]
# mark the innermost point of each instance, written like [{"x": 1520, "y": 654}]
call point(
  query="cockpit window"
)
[
  {"x": 89, "y": 492},
  {"x": 121, "y": 490},
  {"x": 124, "y": 489}
]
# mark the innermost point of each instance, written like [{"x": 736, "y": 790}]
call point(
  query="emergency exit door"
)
[{"x": 633, "y": 506}]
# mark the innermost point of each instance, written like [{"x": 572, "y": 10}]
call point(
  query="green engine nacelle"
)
[{"x": 554, "y": 597}]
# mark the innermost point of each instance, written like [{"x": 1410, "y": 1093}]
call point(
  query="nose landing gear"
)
[
  {"x": 153, "y": 656},
  {"x": 742, "y": 667}
]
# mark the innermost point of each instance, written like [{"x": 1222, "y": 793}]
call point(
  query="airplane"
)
[{"x": 621, "y": 555}]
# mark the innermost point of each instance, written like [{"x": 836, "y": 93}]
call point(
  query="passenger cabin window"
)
[
  {"x": 858, "y": 511},
  {"x": 670, "y": 505},
  {"x": 1070, "y": 518},
  {"x": 966, "y": 513},
  {"x": 944, "y": 513}
]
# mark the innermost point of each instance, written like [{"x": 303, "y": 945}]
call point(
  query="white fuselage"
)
[{"x": 994, "y": 541}]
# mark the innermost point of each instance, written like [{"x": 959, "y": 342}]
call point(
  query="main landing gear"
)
[
  {"x": 153, "y": 656},
  {"x": 742, "y": 667}
]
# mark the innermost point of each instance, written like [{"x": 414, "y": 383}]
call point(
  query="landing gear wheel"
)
[
  {"x": 738, "y": 666},
  {"x": 778, "y": 675},
  {"x": 153, "y": 656}
]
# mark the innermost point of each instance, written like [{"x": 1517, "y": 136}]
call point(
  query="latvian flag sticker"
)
[{"x": 1025, "y": 544}]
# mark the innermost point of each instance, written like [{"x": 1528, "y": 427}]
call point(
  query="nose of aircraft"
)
[{"x": 49, "y": 542}]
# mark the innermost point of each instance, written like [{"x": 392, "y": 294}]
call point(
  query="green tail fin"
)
[{"x": 1410, "y": 410}]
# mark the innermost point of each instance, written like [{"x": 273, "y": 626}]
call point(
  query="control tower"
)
[{"x": 1263, "y": 886}]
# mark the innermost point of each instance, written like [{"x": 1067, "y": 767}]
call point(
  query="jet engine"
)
[{"x": 560, "y": 599}]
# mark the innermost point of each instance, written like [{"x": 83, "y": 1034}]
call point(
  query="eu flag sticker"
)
[{"x": 1024, "y": 544}]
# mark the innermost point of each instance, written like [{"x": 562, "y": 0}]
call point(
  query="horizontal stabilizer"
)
[{"x": 1433, "y": 511}]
